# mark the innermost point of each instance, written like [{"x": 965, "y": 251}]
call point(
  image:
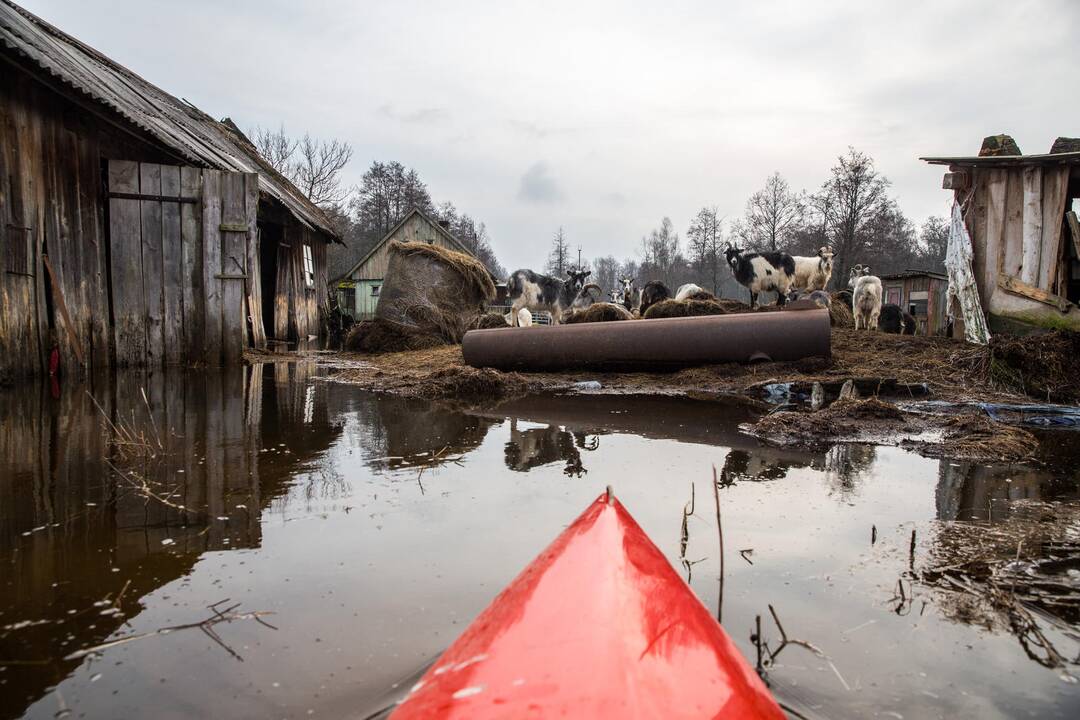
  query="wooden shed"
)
[
  {"x": 358, "y": 290},
  {"x": 134, "y": 228},
  {"x": 1025, "y": 238},
  {"x": 921, "y": 293}
]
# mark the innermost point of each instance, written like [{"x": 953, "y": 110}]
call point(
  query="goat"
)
[
  {"x": 813, "y": 272},
  {"x": 761, "y": 272},
  {"x": 819, "y": 297},
  {"x": 627, "y": 299},
  {"x": 524, "y": 318},
  {"x": 894, "y": 320},
  {"x": 687, "y": 290},
  {"x": 865, "y": 297},
  {"x": 653, "y": 292},
  {"x": 530, "y": 290}
]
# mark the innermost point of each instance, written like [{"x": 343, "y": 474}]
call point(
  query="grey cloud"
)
[{"x": 537, "y": 185}]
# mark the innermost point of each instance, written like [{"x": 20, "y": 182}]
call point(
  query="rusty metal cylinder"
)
[{"x": 659, "y": 344}]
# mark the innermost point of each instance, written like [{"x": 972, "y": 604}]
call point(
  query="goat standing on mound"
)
[
  {"x": 813, "y": 272},
  {"x": 627, "y": 296},
  {"x": 865, "y": 297},
  {"x": 762, "y": 272},
  {"x": 534, "y": 292}
]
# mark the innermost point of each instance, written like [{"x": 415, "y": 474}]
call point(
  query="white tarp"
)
[{"x": 962, "y": 285}]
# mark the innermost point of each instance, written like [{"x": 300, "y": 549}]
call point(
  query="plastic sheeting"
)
[{"x": 962, "y": 285}]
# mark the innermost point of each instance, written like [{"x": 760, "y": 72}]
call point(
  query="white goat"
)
[
  {"x": 687, "y": 290},
  {"x": 524, "y": 317},
  {"x": 813, "y": 272},
  {"x": 865, "y": 297}
]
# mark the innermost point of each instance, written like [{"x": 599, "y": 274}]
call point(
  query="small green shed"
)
[{"x": 358, "y": 290}]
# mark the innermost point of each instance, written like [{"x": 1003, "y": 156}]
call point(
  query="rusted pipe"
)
[{"x": 659, "y": 344}]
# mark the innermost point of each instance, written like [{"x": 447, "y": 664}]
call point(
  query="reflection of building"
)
[
  {"x": 533, "y": 447},
  {"x": 966, "y": 491},
  {"x": 72, "y": 534},
  {"x": 921, "y": 293}
]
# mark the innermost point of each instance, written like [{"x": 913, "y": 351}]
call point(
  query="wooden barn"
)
[
  {"x": 134, "y": 228},
  {"x": 921, "y": 293},
  {"x": 1018, "y": 210},
  {"x": 358, "y": 290}
]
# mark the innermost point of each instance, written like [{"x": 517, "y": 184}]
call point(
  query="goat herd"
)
[{"x": 791, "y": 277}]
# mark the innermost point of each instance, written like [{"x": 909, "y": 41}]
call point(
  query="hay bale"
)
[
  {"x": 997, "y": 145},
  {"x": 599, "y": 312},
  {"x": 840, "y": 314},
  {"x": 731, "y": 305},
  {"x": 467, "y": 383},
  {"x": 704, "y": 295},
  {"x": 378, "y": 336},
  {"x": 491, "y": 320},
  {"x": 684, "y": 308},
  {"x": 431, "y": 290}
]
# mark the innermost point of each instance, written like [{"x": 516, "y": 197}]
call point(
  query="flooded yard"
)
[{"x": 315, "y": 546}]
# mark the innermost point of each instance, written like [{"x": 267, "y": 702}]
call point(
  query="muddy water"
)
[{"x": 375, "y": 528}]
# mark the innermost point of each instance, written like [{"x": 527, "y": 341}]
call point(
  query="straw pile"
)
[
  {"x": 979, "y": 438},
  {"x": 599, "y": 312},
  {"x": 431, "y": 296},
  {"x": 684, "y": 308},
  {"x": 1044, "y": 366}
]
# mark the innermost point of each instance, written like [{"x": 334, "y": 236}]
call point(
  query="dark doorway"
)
[{"x": 270, "y": 235}]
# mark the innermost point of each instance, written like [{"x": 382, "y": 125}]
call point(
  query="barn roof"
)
[
  {"x": 1062, "y": 158},
  {"x": 915, "y": 273},
  {"x": 386, "y": 238},
  {"x": 173, "y": 123}
]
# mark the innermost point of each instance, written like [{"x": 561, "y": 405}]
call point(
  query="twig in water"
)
[
  {"x": 688, "y": 510},
  {"x": 746, "y": 553},
  {"x": 785, "y": 641},
  {"x": 720, "y": 532},
  {"x": 207, "y": 626}
]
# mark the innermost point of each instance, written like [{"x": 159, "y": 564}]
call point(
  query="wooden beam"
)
[
  {"x": 955, "y": 181},
  {"x": 1017, "y": 286},
  {"x": 1074, "y": 230}
]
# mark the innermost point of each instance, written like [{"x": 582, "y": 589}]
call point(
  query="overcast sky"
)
[{"x": 605, "y": 117}]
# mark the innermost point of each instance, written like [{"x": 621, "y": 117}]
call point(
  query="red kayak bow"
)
[{"x": 598, "y": 626}]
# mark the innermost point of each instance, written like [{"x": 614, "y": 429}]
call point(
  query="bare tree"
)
[
  {"x": 704, "y": 240},
  {"x": 852, "y": 199},
  {"x": 559, "y": 257},
  {"x": 606, "y": 272},
  {"x": 313, "y": 166},
  {"x": 934, "y": 238},
  {"x": 663, "y": 259},
  {"x": 772, "y": 215}
]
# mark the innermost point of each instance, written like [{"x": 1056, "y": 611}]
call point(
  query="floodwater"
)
[{"x": 374, "y": 528}]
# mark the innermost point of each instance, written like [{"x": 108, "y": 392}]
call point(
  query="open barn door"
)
[{"x": 183, "y": 264}]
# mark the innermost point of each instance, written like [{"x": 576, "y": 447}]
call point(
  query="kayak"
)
[{"x": 599, "y": 625}]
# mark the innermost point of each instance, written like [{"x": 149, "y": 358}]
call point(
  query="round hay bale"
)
[
  {"x": 431, "y": 290},
  {"x": 684, "y": 308},
  {"x": 703, "y": 295},
  {"x": 840, "y": 314},
  {"x": 599, "y": 312},
  {"x": 489, "y": 321},
  {"x": 376, "y": 336}
]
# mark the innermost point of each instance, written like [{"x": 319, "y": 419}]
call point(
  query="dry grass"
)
[
  {"x": 684, "y": 308},
  {"x": 977, "y": 437},
  {"x": 599, "y": 312},
  {"x": 379, "y": 336},
  {"x": 490, "y": 321},
  {"x": 471, "y": 270},
  {"x": 1045, "y": 366}
]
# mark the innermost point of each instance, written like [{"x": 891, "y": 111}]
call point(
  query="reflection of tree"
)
[
  {"x": 534, "y": 447},
  {"x": 846, "y": 465},
  {"x": 758, "y": 465}
]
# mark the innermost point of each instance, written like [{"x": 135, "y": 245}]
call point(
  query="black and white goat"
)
[
  {"x": 626, "y": 298},
  {"x": 526, "y": 289},
  {"x": 762, "y": 272}
]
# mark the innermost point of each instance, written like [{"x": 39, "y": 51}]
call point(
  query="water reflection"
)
[{"x": 246, "y": 452}]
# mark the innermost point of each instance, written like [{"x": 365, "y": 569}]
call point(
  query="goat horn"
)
[{"x": 593, "y": 285}]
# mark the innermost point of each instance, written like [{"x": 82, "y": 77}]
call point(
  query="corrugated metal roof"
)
[
  {"x": 1006, "y": 160},
  {"x": 173, "y": 123},
  {"x": 915, "y": 273}
]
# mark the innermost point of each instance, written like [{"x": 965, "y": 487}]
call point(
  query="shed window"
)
[
  {"x": 309, "y": 267},
  {"x": 375, "y": 290},
  {"x": 348, "y": 298}
]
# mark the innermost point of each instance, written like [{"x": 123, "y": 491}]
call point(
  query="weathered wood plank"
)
[
  {"x": 1019, "y": 287},
  {"x": 233, "y": 262},
  {"x": 152, "y": 265},
  {"x": 1032, "y": 242},
  {"x": 254, "y": 281},
  {"x": 1054, "y": 192},
  {"x": 1011, "y": 257},
  {"x": 283, "y": 291},
  {"x": 172, "y": 266},
  {"x": 994, "y": 228},
  {"x": 1074, "y": 231},
  {"x": 125, "y": 260},
  {"x": 211, "y": 264},
  {"x": 193, "y": 296}
]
